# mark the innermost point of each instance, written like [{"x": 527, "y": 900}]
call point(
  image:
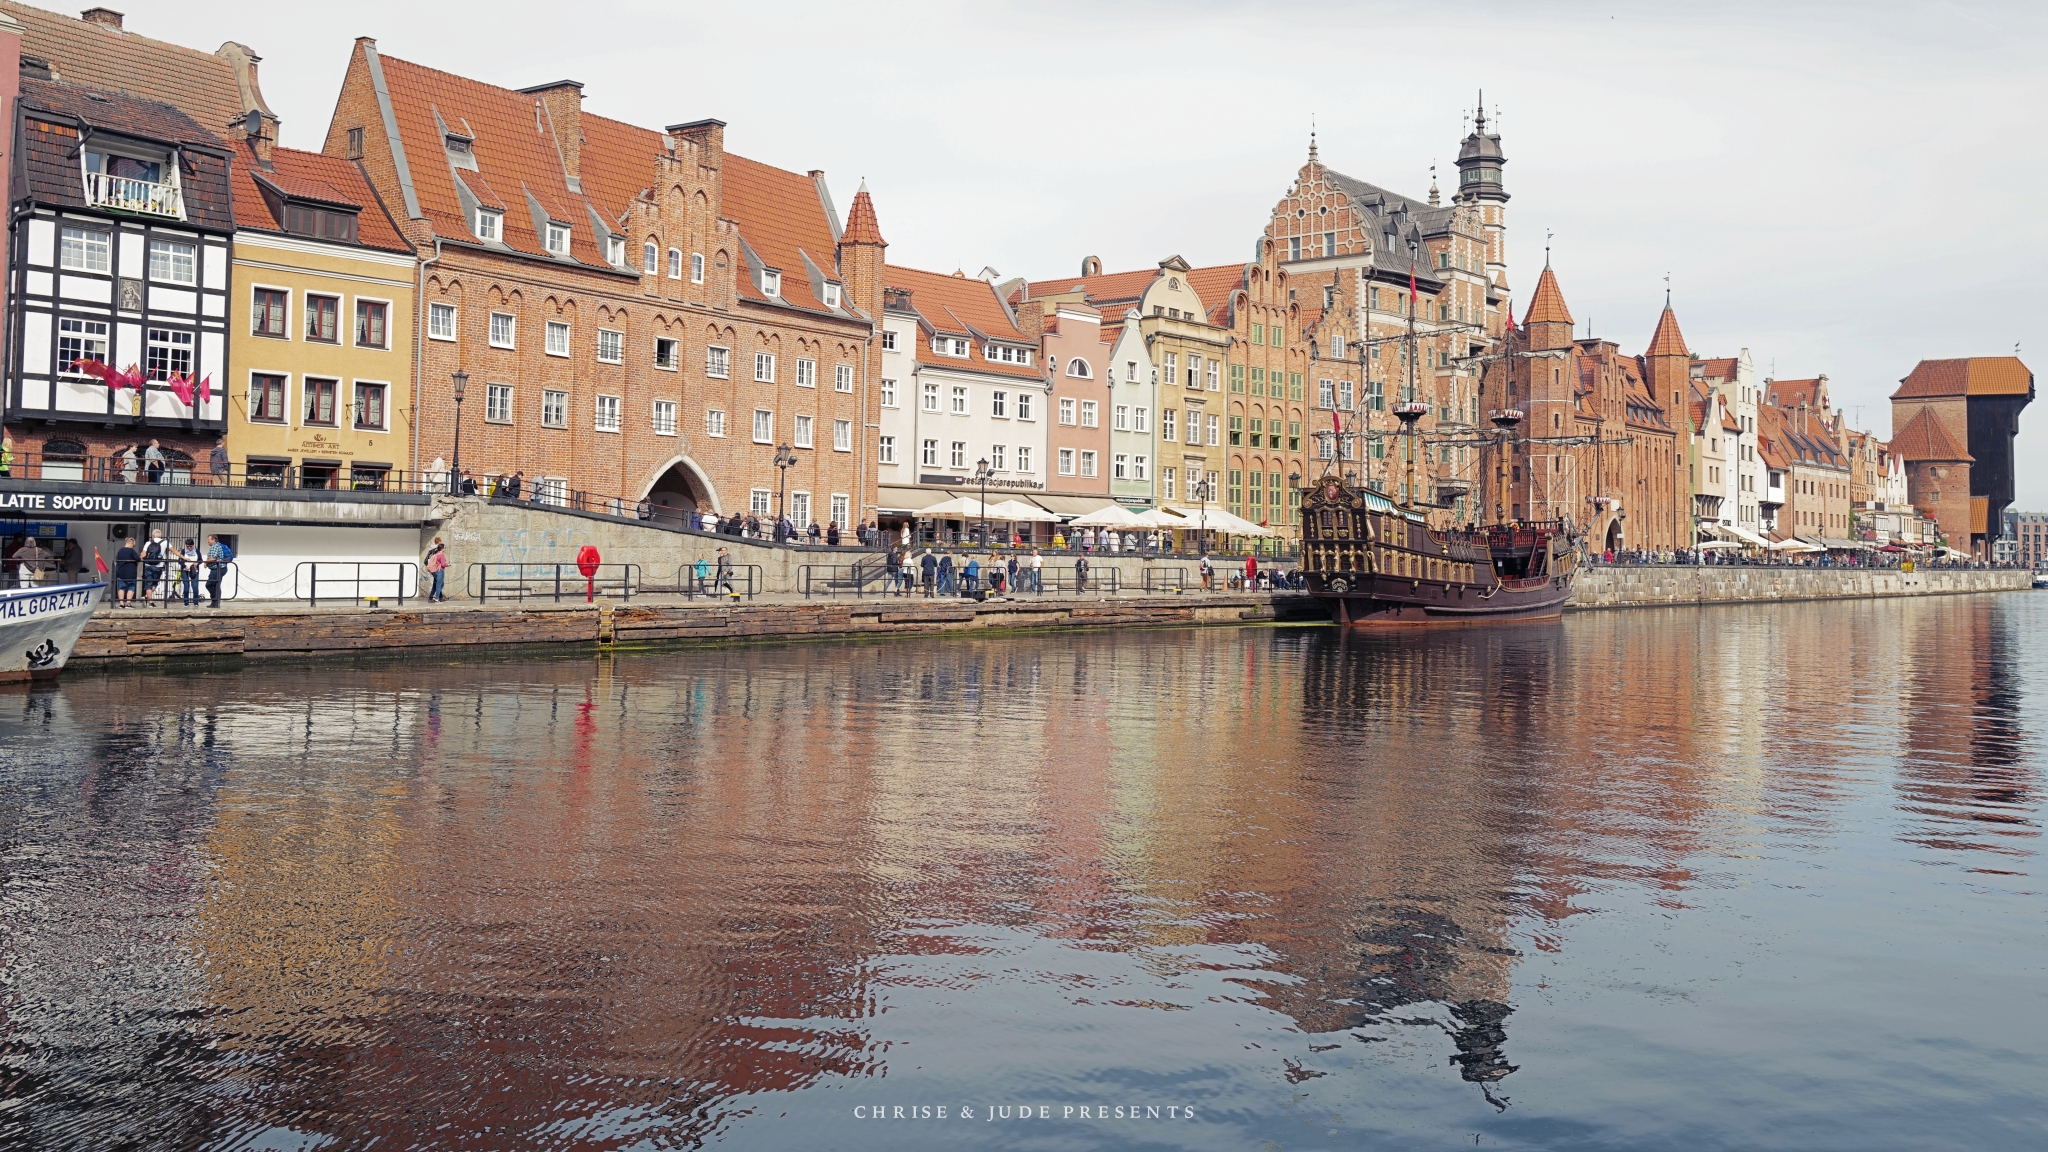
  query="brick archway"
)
[{"x": 678, "y": 488}]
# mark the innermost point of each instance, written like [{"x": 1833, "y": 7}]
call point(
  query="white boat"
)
[
  {"x": 2041, "y": 579},
  {"x": 40, "y": 626}
]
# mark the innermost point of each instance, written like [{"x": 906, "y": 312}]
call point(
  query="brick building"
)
[
  {"x": 1266, "y": 425},
  {"x": 1937, "y": 474},
  {"x": 1977, "y": 401},
  {"x": 638, "y": 313}
]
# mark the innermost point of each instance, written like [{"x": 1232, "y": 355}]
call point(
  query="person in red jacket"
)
[{"x": 1251, "y": 573}]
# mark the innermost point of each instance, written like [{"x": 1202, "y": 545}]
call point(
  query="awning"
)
[
  {"x": 908, "y": 501},
  {"x": 1834, "y": 544},
  {"x": 1071, "y": 505},
  {"x": 1217, "y": 520},
  {"x": 1019, "y": 512},
  {"x": 1738, "y": 532}
]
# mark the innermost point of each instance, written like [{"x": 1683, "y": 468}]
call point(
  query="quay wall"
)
[{"x": 1650, "y": 586}]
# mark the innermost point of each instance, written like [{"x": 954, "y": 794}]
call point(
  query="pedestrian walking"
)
[
  {"x": 154, "y": 553},
  {"x": 217, "y": 465},
  {"x": 1208, "y": 574},
  {"x": 153, "y": 463},
  {"x": 703, "y": 574},
  {"x": 513, "y": 485},
  {"x": 1037, "y": 571},
  {"x": 124, "y": 464},
  {"x": 1080, "y": 573},
  {"x": 436, "y": 564},
  {"x": 1251, "y": 573},
  {"x": 188, "y": 573},
  {"x": 929, "y": 565},
  {"x": 127, "y": 565},
  {"x": 725, "y": 575},
  {"x": 893, "y": 564},
  {"x": 973, "y": 577},
  {"x": 218, "y": 557},
  {"x": 946, "y": 574},
  {"x": 1010, "y": 570}
]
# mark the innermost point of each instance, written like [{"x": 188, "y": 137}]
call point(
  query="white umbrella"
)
[
  {"x": 958, "y": 508},
  {"x": 1110, "y": 516},
  {"x": 1214, "y": 519},
  {"x": 1159, "y": 518},
  {"x": 1018, "y": 512}
]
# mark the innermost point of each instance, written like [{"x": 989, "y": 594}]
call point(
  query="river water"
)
[{"x": 1757, "y": 877}]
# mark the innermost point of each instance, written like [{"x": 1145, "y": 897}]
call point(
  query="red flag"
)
[
  {"x": 99, "y": 563},
  {"x": 1511, "y": 314}
]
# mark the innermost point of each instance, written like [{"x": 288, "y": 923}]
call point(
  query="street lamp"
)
[
  {"x": 1202, "y": 502},
  {"x": 785, "y": 459},
  {"x": 460, "y": 380},
  {"x": 1294, "y": 494},
  {"x": 981, "y": 474}
]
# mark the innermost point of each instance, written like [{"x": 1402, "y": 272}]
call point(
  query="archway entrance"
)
[
  {"x": 679, "y": 492},
  {"x": 1613, "y": 535}
]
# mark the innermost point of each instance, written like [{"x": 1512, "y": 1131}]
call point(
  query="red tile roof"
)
[
  {"x": 1114, "y": 287},
  {"x": 312, "y": 176},
  {"x": 1667, "y": 340},
  {"x": 1793, "y": 393},
  {"x": 1721, "y": 369},
  {"x": 200, "y": 84},
  {"x": 861, "y": 225},
  {"x": 1923, "y": 438},
  {"x": 960, "y": 306},
  {"x": 1214, "y": 285},
  {"x": 1971, "y": 376},
  {"x": 1547, "y": 306}
]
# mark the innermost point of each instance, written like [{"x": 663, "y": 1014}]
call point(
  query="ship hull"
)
[
  {"x": 1382, "y": 601},
  {"x": 40, "y": 626}
]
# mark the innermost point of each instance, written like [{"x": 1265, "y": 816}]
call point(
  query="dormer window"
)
[
  {"x": 1005, "y": 354},
  {"x": 320, "y": 222},
  {"x": 950, "y": 346},
  {"x": 615, "y": 250},
  {"x": 831, "y": 295},
  {"x": 771, "y": 284},
  {"x": 130, "y": 183},
  {"x": 558, "y": 238},
  {"x": 490, "y": 225}
]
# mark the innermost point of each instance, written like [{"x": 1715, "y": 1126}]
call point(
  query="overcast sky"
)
[{"x": 1842, "y": 189}]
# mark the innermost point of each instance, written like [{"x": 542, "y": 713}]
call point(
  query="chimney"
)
[
  {"x": 563, "y": 100},
  {"x": 104, "y": 17},
  {"x": 257, "y": 129},
  {"x": 707, "y": 137}
]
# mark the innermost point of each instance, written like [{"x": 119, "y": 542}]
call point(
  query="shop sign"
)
[{"x": 79, "y": 502}]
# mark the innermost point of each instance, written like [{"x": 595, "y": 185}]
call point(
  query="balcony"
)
[{"x": 123, "y": 194}]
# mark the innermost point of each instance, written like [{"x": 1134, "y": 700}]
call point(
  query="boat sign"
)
[{"x": 83, "y": 502}]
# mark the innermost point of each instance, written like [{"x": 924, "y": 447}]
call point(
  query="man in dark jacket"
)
[
  {"x": 929, "y": 564},
  {"x": 126, "y": 561},
  {"x": 1080, "y": 574}
]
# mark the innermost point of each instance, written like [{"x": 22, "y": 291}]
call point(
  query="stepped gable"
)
[
  {"x": 1923, "y": 438},
  {"x": 961, "y": 306},
  {"x": 1968, "y": 376},
  {"x": 311, "y": 176}
]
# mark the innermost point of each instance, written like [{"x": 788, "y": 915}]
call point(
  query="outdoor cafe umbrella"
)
[
  {"x": 1018, "y": 512},
  {"x": 1215, "y": 519},
  {"x": 1108, "y": 516},
  {"x": 958, "y": 508}
]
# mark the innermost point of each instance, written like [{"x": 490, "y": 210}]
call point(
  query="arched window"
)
[
  {"x": 63, "y": 450},
  {"x": 675, "y": 264},
  {"x": 647, "y": 258},
  {"x": 1078, "y": 367}
]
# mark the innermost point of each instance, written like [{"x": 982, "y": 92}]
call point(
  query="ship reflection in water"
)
[{"x": 1651, "y": 879}]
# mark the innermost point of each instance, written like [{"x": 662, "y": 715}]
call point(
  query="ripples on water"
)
[{"x": 1760, "y": 877}]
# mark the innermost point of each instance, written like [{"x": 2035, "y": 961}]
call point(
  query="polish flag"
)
[{"x": 99, "y": 562}]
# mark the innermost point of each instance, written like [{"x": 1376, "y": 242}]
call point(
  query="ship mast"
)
[{"x": 1410, "y": 410}]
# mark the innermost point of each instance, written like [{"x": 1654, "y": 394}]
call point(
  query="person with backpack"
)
[
  {"x": 218, "y": 557},
  {"x": 154, "y": 553},
  {"x": 437, "y": 569}
]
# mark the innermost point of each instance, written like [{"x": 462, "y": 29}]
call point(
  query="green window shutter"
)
[{"x": 1237, "y": 378}]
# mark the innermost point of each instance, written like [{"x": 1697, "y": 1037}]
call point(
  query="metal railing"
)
[
  {"x": 401, "y": 576},
  {"x": 868, "y": 577},
  {"x": 127, "y": 194},
  {"x": 552, "y": 581},
  {"x": 178, "y": 468},
  {"x": 1165, "y": 579},
  {"x": 693, "y": 581},
  {"x": 1065, "y": 579},
  {"x": 168, "y": 586}
]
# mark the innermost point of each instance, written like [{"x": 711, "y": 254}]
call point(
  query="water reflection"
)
[{"x": 1320, "y": 886}]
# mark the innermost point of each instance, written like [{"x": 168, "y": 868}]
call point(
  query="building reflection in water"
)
[{"x": 601, "y": 901}]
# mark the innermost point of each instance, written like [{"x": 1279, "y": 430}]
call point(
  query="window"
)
[
  {"x": 501, "y": 330},
  {"x": 806, "y": 373},
  {"x": 1376, "y": 393},
  {"x": 1344, "y": 396},
  {"x": 558, "y": 238},
  {"x": 760, "y": 501},
  {"x": 999, "y": 403},
  {"x": 81, "y": 340},
  {"x": 1293, "y": 436},
  {"x": 831, "y": 295},
  {"x": 1066, "y": 410},
  {"x": 1237, "y": 431},
  {"x": 1122, "y": 420},
  {"x": 1236, "y": 490},
  {"x": 440, "y": 321},
  {"x": 1172, "y": 367},
  {"x": 888, "y": 394},
  {"x": 1087, "y": 463},
  {"x": 1215, "y": 378},
  {"x": 1237, "y": 378},
  {"x": 931, "y": 397},
  {"x": 323, "y": 319},
  {"x": 1258, "y": 333},
  {"x": 675, "y": 264},
  {"x": 718, "y": 363},
  {"x": 1326, "y": 393},
  {"x": 355, "y": 144},
  {"x": 841, "y": 506},
  {"x": 764, "y": 367},
  {"x": 1119, "y": 465},
  {"x": 498, "y": 403},
  {"x": 554, "y": 408},
  {"x": 1294, "y": 386},
  {"x": 771, "y": 284},
  {"x": 319, "y": 400},
  {"x": 842, "y": 435},
  {"x": 1168, "y": 424},
  {"x": 1023, "y": 458},
  {"x": 1066, "y": 464},
  {"x": 668, "y": 352},
  {"x": 764, "y": 426},
  {"x": 1023, "y": 405},
  {"x": 649, "y": 253},
  {"x": 959, "y": 453},
  {"x": 615, "y": 250},
  {"x": 370, "y": 324},
  {"x": 266, "y": 312},
  {"x": 996, "y": 456},
  {"x": 803, "y": 432},
  {"x": 1087, "y": 413},
  {"x": 714, "y": 422},
  {"x": 369, "y": 408},
  {"x": 888, "y": 341},
  {"x": 842, "y": 378},
  {"x": 1140, "y": 420},
  {"x": 931, "y": 453},
  {"x": 1137, "y": 467},
  {"x": 1276, "y": 336},
  {"x": 169, "y": 354},
  {"x": 1259, "y": 382},
  {"x": 696, "y": 267},
  {"x": 266, "y": 398},
  {"x": 800, "y": 508},
  {"x": 1336, "y": 346},
  {"x": 1131, "y": 371},
  {"x": 611, "y": 346},
  {"x": 1215, "y": 426},
  {"x": 1078, "y": 367},
  {"x": 557, "y": 341},
  {"x": 885, "y": 449},
  {"x": 171, "y": 262},
  {"x": 959, "y": 400},
  {"x": 607, "y": 414},
  {"x": 83, "y": 250},
  {"x": 489, "y": 224}
]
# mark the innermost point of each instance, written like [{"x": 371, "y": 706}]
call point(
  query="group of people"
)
[
  {"x": 32, "y": 563},
  {"x": 782, "y": 530},
  {"x": 161, "y": 564},
  {"x": 146, "y": 463},
  {"x": 940, "y": 574}
]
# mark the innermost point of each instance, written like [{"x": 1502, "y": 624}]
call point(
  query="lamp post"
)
[
  {"x": 785, "y": 459},
  {"x": 1294, "y": 495},
  {"x": 460, "y": 381},
  {"x": 1202, "y": 498},
  {"x": 981, "y": 474}
]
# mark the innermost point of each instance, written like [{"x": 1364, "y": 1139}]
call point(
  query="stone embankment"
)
[{"x": 1651, "y": 586}]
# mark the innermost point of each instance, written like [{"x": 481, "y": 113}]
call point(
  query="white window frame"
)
[
  {"x": 556, "y": 338},
  {"x": 888, "y": 393},
  {"x": 1119, "y": 464},
  {"x": 1166, "y": 483},
  {"x": 650, "y": 258},
  {"x": 1078, "y": 368},
  {"x": 764, "y": 367},
  {"x": 615, "y": 250},
  {"x": 1215, "y": 427},
  {"x": 806, "y": 373},
  {"x": 1067, "y": 410},
  {"x": 842, "y": 435},
  {"x": 958, "y": 455},
  {"x": 718, "y": 362},
  {"x": 771, "y": 284},
  {"x": 714, "y": 423},
  {"x": 1066, "y": 462},
  {"x": 960, "y": 400},
  {"x": 1090, "y": 417},
  {"x": 842, "y": 507},
  {"x": 999, "y": 404},
  {"x": 606, "y": 415},
  {"x": 498, "y": 398},
  {"x": 802, "y": 435},
  {"x": 1088, "y": 464},
  {"x": 931, "y": 397},
  {"x": 888, "y": 341},
  {"x": 611, "y": 346},
  {"x": 831, "y": 295},
  {"x": 1121, "y": 421},
  {"x": 761, "y": 501},
  {"x": 696, "y": 267},
  {"x": 435, "y": 329},
  {"x": 167, "y": 271},
  {"x": 1215, "y": 376},
  {"x": 800, "y": 508},
  {"x": 490, "y": 225},
  {"x": 764, "y": 426},
  {"x": 1024, "y": 406},
  {"x": 511, "y": 330},
  {"x": 885, "y": 449},
  {"x": 930, "y": 453},
  {"x": 675, "y": 263},
  {"x": 1138, "y": 463},
  {"x": 1023, "y": 458},
  {"x": 86, "y": 249},
  {"x": 557, "y": 240},
  {"x": 1169, "y": 424},
  {"x": 842, "y": 378},
  {"x": 998, "y": 454},
  {"x": 554, "y": 408},
  {"x": 1141, "y": 419},
  {"x": 663, "y": 418},
  {"x": 674, "y": 360}
]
